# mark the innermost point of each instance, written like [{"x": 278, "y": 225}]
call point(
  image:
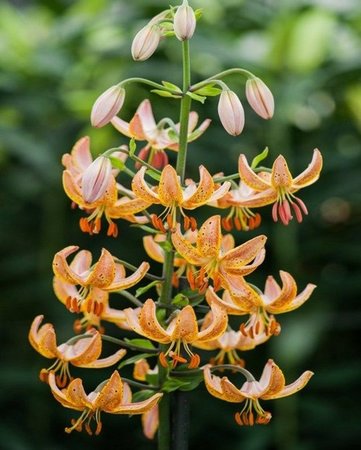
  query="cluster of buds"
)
[{"x": 205, "y": 274}]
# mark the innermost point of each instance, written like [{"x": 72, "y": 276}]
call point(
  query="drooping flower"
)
[
  {"x": 161, "y": 136},
  {"x": 231, "y": 112},
  {"x": 112, "y": 396},
  {"x": 85, "y": 282},
  {"x": 172, "y": 195},
  {"x": 261, "y": 306},
  {"x": 77, "y": 165},
  {"x": 279, "y": 186},
  {"x": 270, "y": 386},
  {"x": 82, "y": 352},
  {"x": 225, "y": 268},
  {"x": 182, "y": 331},
  {"x": 260, "y": 97}
]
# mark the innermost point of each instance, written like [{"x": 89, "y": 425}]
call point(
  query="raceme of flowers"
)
[{"x": 179, "y": 316}]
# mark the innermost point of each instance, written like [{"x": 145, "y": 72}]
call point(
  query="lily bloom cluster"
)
[{"x": 183, "y": 325}]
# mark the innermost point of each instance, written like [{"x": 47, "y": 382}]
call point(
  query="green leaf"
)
[
  {"x": 146, "y": 288},
  {"x": 186, "y": 382},
  {"x": 134, "y": 359},
  {"x": 166, "y": 246},
  {"x": 171, "y": 86},
  {"x": 198, "y": 13},
  {"x": 142, "y": 395},
  {"x": 117, "y": 163},
  {"x": 132, "y": 147},
  {"x": 145, "y": 228},
  {"x": 142, "y": 343},
  {"x": 196, "y": 97},
  {"x": 172, "y": 384},
  {"x": 165, "y": 93},
  {"x": 180, "y": 300},
  {"x": 153, "y": 174},
  {"x": 257, "y": 159},
  {"x": 208, "y": 91}
]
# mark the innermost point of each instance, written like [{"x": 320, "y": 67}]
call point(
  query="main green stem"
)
[{"x": 166, "y": 436}]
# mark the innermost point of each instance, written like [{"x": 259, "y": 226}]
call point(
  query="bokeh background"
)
[{"x": 56, "y": 57}]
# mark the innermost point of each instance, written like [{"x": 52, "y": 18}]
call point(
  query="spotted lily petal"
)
[
  {"x": 217, "y": 326},
  {"x": 43, "y": 339},
  {"x": 141, "y": 188},
  {"x": 312, "y": 173},
  {"x": 127, "y": 282},
  {"x": 209, "y": 238}
]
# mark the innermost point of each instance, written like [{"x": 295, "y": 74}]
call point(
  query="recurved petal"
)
[
  {"x": 186, "y": 249},
  {"x": 138, "y": 407},
  {"x": 263, "y": 198},
  {"x": 311, "y": 174},
  {"x": 243, "y": 254},
  {"x": 125, "y": 207},
  {"x": 281, "y": 175},
  {"x": 43, "y": 339},
  {"x": 150, "y": 422},
  {"x": 61, "y": 395},
  {"x": 110, "y": 395},
  {"x": 169, "y": 190},
  {"x": 81, "y": 155},
  {"x": 149, "y": 324},
  {"x": 103, "y": 271},
  {"x": 292, "y": 388},
  {"x": 239, "y": 296},
  {"x": 83, "y": 352},
  {"x": 295, "y": 302},
  {"x": 220, "y": 192},
  {"x": 217, "y": 326},
  {"x": 249, "y": 177},
  {"x": 64, "y": 290},
  {"x": 212, "y": 383},
  {"x": 141, "y": 189},
  {"x": 283, "y": 296},
  {"x": 136, "y": 128},
  {"x": 72, "y": 189},
  {"x": 209, "y": 237},
  {"x": 122, "y": 126},
  {"x": 76, "y": 395},
  {"x": 62, "y": 269},
  {"x": 146, "y": 116},
  {"x": 203, "y": 192},
  {"x": 127, "y": 282},
  {"x": 185, "y": 326},
  {"x": 226, "y": 303},
  {"x": 153, "y": 249},
  {"x": 230, "y": 392}
]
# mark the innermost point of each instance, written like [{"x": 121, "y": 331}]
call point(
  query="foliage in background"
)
[{"x": 56, "y": 57}]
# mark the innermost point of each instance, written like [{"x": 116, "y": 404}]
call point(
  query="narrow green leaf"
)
[
  {"x": 208, "y": 91},
  {"x": 164, "y": 93},
  {"x": 257, "y": 159},
  {"x": 117, "y": 163},
  {"x": 180, "y": 300},
  {"x": 171, "y": 86},
  {"x": 132, "y": 147},
  {"x": 142, "y": 343},
  {"x": 153, "y": 174},
  {"x": 133, "y": 359},
  {"x": 172, "y": 384},
  {"x": 142, "y": 395},
  {"x": 146, "y": 288},
  {"x": 196, "y": 97}
]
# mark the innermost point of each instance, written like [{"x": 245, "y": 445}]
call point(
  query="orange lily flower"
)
[
  {"x": 112, "y": 396},
  {"x": 270, "y": 386},
  {"x": 274, "y": 300},
  {"x": 105, "y": 275},
  {"x": 279, "y": 186},
  {"x": 108, "y": 203},
  {"x": 240, "y": 217},
  {"x": 84, "y": 352},
  {"x": 143, "y": 127},
  {"x": 181, "y": 331},
  {"x": 171, "y": 194},
  {"x": 224, "y": 267}
]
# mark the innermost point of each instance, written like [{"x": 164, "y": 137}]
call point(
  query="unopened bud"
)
[
  {"x": 96, "y": 179},
  {"x": 231, "y": 113},
  {"x": 107, "y": 105},
  {"x": 260, "y": 98},
  {"x": 145, "y": 42},
  {"x": 184, "y": 22}
]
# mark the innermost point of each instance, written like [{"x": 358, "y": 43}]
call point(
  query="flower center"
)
[{"x": 247, "y": 417}]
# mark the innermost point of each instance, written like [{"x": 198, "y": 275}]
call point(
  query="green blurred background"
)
[{"x": 56, "y": 57}]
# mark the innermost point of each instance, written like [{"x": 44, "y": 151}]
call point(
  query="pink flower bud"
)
[
  {"x": 184, "y": 22},
  {"x": 260, "y": 98},
  {"x": 145, "y": 42},
  {"x": 107, "y": 105},
  {"x": 231, "y": 113},
  {"x": 96, "y": 179}
]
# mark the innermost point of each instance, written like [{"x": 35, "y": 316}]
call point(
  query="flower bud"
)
[
  {"x": 184, "y": 22},
  {"x": 145, "y": 42},
  {"x": 231, "y": 113},
  {"x": 260, "y": 98},
  {"x": 96, "y": 179},
  {"x": 107, "y": 105}
]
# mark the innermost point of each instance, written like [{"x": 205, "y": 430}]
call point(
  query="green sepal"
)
[
  {"x": 165, "y": 93},
  {"x": 134, "y": 359},
  {"x": 141, "y": 343},
  {"x": 198, "y": 13},
  {"x": 198, "y": 98},
  {"x": 257, "y": 159}
]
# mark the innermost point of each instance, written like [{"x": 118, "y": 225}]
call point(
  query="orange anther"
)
[
  {"x": 163, "y": 360},
  {"x": 186, "y": 223},
  {"x": 193, "y": 223},
  {"x": 237, "y": 224}
]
